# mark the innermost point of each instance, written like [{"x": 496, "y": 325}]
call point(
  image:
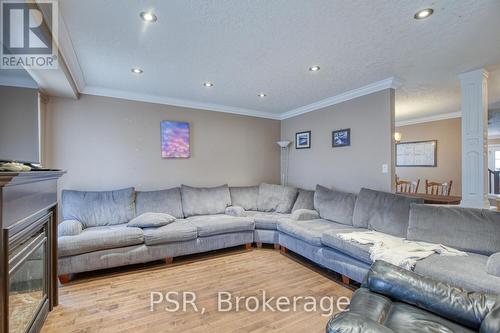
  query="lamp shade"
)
[{"x": 283, "y": 144}]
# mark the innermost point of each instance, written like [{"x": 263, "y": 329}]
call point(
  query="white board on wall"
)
[{"x": 416, "y": 154}]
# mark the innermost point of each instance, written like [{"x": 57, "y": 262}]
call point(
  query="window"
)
[{"x": 497, "y": 160}]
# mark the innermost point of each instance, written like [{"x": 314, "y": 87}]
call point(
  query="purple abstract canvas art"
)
[{"x": 174, "y": 139}]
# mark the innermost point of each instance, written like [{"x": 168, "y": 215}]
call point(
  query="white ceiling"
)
[{"x": 250, "y": 46}]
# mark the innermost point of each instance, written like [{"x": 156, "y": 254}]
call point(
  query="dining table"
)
[{"x": 435, "y": 199}]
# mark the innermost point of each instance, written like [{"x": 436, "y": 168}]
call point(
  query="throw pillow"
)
[{"x": 493, "y": 264}]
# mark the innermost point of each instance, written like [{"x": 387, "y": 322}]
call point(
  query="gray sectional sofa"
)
[{"x": 94, "y": 232}]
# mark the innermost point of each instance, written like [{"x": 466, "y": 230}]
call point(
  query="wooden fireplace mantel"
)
[
  {"x": 16, "y": 178},
  {"x": 26, "y": 199}
]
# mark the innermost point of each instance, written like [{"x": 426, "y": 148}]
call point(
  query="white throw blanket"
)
[{"x": 398, "y": 251}]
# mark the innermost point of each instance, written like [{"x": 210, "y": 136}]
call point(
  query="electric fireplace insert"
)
[{"x": 28, "y": 245}]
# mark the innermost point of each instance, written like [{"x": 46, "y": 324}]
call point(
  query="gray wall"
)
[
  {"x": 107, "y": 143},
  {"x": 19, "y": 135},
  {"x": 371, "y": 120}
]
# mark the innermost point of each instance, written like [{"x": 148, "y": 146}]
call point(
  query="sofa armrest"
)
[
  {"x": 349, "y": 322},
  {"x": 235, "y": 211},
  {"x": 69, "y": 228},
  {"x": 304, "y": 215},
  {"x": 455, "y": 304}
]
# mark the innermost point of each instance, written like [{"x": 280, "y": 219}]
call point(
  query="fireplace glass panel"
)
[{"x": 27, "y": 282}]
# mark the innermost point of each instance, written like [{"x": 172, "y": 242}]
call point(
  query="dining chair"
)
[
  {"x": 407, "y": 186},
  {"x": 437, "y": 188}
]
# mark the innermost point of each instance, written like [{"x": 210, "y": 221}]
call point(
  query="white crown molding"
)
[
  {"x": 474, "y": 75},
  {"x": 428, "y": 119},
  {"x": 355, "y": 93},
  {"x": 133, "y": 96},
  {"x": 388, "y": 83}
]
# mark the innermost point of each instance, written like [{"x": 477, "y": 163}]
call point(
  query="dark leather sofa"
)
[{"x": 396, "y": 300}]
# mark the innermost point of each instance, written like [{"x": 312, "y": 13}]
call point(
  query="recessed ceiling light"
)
[
  {"x": 208, "y": 84},
  {"x": 314, "y": 68},
  {"x": 148, "y": 16},
  {"x": 424, "y": 13},
  {"x": 137, "y": 70},
  {"x": 261, "y": 95}
]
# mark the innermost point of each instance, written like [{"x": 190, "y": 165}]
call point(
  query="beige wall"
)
[
  {"x": 448, "y": 134},
  {"x": 371, "y": 120},
  {"x": 107, "y": 143}
]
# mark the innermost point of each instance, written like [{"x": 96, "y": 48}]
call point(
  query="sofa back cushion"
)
[
  {"x": 205, "y": 200},
  {"x": 334, "y": 205},
  {"x": 467, "y": 229},
  {"x": 305, "y": 200},
  {"x": 245, "y": 197},
  {"x": 276, "y": 198},
  {"x": 95, "y": 209},
  {"x": 383, "y": 212},
  {"x": 163, "y": 201}
]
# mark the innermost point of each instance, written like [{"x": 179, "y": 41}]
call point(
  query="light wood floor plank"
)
[{"x": 119, "y": 300}]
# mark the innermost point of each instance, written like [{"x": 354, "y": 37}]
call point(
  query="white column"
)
[{"x": 474, "y": 89}]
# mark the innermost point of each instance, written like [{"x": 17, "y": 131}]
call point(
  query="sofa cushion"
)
[
  {"x": 467, "y": 229},
  {"x": 304, "y": 215},
  {"x": 205, "y": 200},
  {"x": 151, "y": 220},
  {"x": 235, "y": 211},
  {"x": 268, "y": 221},
  {"x": 493, "y": 265},
  {"x": 334, "y": 205},
  {"x": 178, "y": 231},
  {"x": 305, "y": 200},
  {"x": 99, "y": 238},
  {"x": 163, "y": 201},
  {"x": 382, "y": 211},
  {"x": 95, "y": 209},
  {"x": 467, "y": 272},
  {"x": 209, "y": 225},
  {"x": 276, "y": 198},
  {"x": 309, "y": 231},
  {"x": 245, "y": 196},
  {"x": 355, "y": 250}
]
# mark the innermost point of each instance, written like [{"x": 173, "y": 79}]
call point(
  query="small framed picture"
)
[
  {"x": 303, "y": 140},
  {"x": 341, "y": 138}
]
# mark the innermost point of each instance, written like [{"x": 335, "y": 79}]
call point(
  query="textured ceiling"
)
[{"x": 252, "y": 46}]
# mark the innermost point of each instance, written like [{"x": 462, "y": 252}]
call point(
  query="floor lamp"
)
[{"x": 284, "y": 161}]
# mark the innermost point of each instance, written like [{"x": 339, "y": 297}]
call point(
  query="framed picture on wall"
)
[
  {"x": 341, "y": 138},
  {"x": 303, "y": 140},
  {"x": 174, "y": 139}
]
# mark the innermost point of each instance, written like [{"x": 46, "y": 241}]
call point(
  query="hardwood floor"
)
[{"x": 120, "y": 301}]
